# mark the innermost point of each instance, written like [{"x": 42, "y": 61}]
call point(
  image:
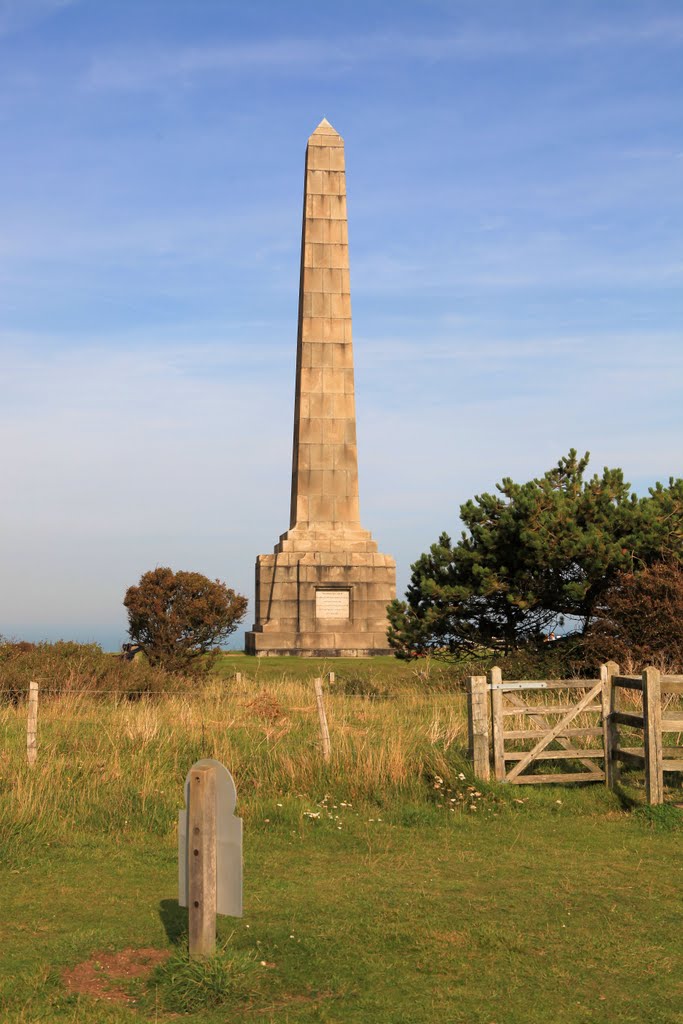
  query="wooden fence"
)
[
  {"x": 653, "y": 717},
  {"x": 576, "y": 723}
]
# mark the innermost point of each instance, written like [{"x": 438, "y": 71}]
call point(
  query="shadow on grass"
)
[{"x": 174, "y": 920}]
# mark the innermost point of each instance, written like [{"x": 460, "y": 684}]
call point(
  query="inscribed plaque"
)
[{"x": 332, "y": 604}]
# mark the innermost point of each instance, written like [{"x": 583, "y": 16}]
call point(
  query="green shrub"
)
[{"x": 67, "y": 667}]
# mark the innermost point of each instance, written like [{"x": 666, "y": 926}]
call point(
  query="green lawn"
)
[
  {"x": 386, "y": 887},
  {"x": 566, "y": 911}
]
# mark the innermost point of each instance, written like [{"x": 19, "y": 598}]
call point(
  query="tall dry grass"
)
[{"x": 106, "y": 763}]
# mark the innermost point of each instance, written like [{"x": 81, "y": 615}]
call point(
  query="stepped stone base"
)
[{"x": 323, "y": 603}]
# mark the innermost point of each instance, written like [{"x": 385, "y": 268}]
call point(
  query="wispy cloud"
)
[
  {"x": 19, "y": 14},
  {"x": 140, "y": 70}
]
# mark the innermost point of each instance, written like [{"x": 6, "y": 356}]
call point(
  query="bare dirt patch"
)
[{"x": 100, "y": 977}]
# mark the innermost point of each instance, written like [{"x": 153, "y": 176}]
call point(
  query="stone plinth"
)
[{"x": 325, "y": 589}]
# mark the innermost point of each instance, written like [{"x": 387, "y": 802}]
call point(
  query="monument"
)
[{"x": 325, "y": 589}]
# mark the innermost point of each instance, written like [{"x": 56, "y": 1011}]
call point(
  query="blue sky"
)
[{"x": 514, "y": 176}]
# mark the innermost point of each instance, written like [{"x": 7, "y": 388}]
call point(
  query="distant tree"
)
[
  {"x": 639, "y": 619},
  {"x": 178, "y": 617},
  {"x": 532, "y": 557}
]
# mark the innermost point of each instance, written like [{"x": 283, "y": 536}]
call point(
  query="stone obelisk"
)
[{"x": 325, "y": 589}]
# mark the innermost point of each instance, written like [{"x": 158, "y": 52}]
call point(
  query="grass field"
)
[{"x": 387, "y": 887}]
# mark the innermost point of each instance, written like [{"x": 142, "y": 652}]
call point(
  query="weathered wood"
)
[
  {"x": 610, "y": 700},
  {"x": 478, "y": 721},
  {"x": 652, "y": 727},
  {"x": 672, "y": 765},
  {"x": 673, "y": 722},
  {"x": 531, "y": 734},
  {"x": 570, "y": 753},
  {"x": 626, "y": 718},
  {"x": 627, "y": 682},
  {"x": 550, "y": 684},
  {"x": 202, "y": 862},
  {"x": 556, "y": 730},
  {"x": 543, "y": 709},
  {"x": 539, "y": 722},
  {"x": 628, "y": 757},
  {"x": 521, "y": 780},
  {"x": 666, "y": 751},
  {"x": 32, "y": 724},
  {"x": 322, "y": 717},
  {"x": 495, "y": 678},
  {"x": 331, "y": 678},
  {"x": 238, "y": 677}
]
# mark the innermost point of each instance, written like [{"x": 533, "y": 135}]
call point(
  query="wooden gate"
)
[{"x": 552, "y": 723}]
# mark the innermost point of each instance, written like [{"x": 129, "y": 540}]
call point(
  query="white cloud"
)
[
  {"x": 136, "y": 70},
  {"x": 18, "y": 14}
]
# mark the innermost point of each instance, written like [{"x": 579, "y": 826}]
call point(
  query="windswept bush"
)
[
  {"x": 68, "y": 667},
  {"x": 179, "y": 617},
  {"x": 640, "y": 619}
]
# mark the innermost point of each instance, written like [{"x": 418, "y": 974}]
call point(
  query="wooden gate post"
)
[
  {"x": 201, "y": 823},
  {"x": 652, "y": 728},
  {"x": 32, "y": 724},
  {"x": 478, "y": 722},
  {"x": 610, "y": 732},
  {"x": 324, "y": 731},
  {"x": 495, "y": 680}
]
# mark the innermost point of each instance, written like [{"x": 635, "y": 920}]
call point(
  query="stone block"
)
[
  {"x": 332, "y": 280},
  {"x": 312, "y": 280},
  {"x": 333, "y": 381},
  {"x": 337, "y": 231},
  {"x": 310, "y": 355},
  {"x": 311, "y": 431},
  {"x": 314, "y": 181},
  {"x": 340, "y": 305},
  {"x": 311, "y": 379},
  {"x": 333, "y": 182},
  {"x": 318, "y": 158},
  {"x": 346, "y": 510},
  {"x": 320, "y": 507},
  {"x": 345, "y": 456},
  {"x": 333, "y": 432},
  {"x": 335, "y": 159},
  {"x": 333, "y": 329},
  {"x": 344, "y": 404}
]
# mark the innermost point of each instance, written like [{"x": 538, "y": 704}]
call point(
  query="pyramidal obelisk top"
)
[{"x": 325, "y": 589}]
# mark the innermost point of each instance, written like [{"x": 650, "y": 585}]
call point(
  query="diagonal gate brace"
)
[
  {"x": 556, "y": 730},
  {"x": 542, "y": 722}
]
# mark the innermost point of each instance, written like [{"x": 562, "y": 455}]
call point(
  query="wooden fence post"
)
[
  {"x": 652, "y": 728},
  {"x": 331, "y": 678},
  {"x": 238, "y": 677},
  {"x": 495, "y": 679},
  {"x": 610, "y": 733},
  {"x": 478, "y": 723},
  {"x": 324, "y": 731},
  {"x": 32, "y": 724},
  {"x": 201, "y": 866}
]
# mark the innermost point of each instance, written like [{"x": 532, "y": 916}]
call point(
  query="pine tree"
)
[{"x": 533, "y": 557}]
